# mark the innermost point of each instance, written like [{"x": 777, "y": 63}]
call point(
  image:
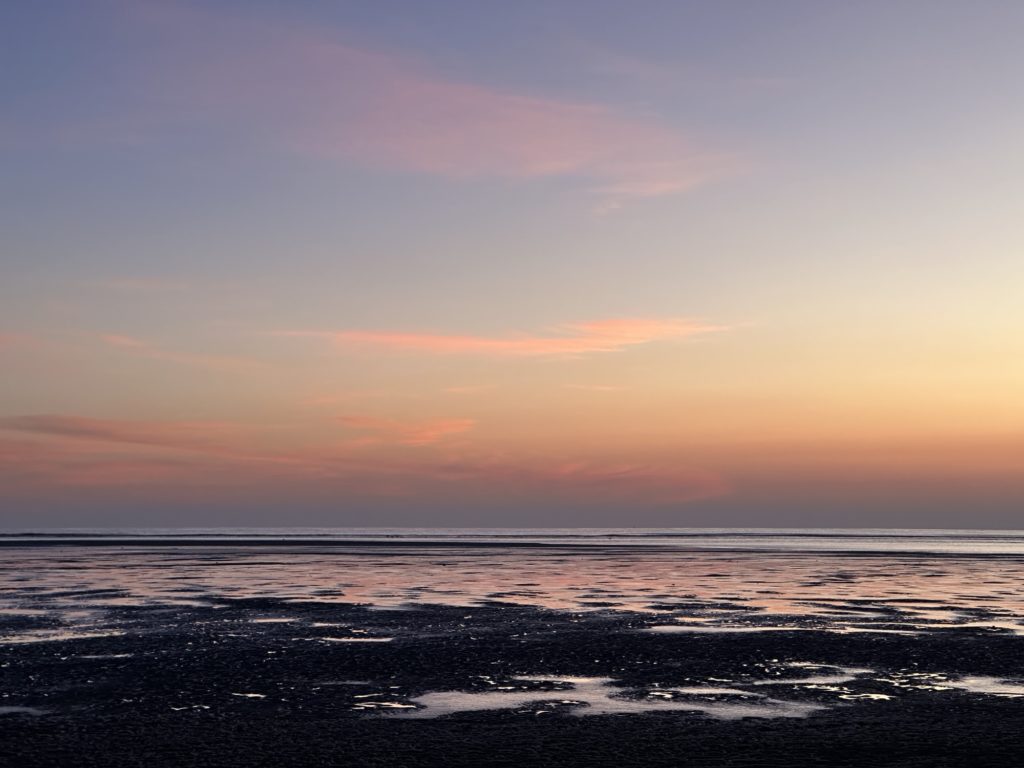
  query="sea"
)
[{"x": 735, "y": 580}]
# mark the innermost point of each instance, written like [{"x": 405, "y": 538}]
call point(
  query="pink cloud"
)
[
  {"x": 129, "y": 342},
  {"x": 467, "y": 389},
  {"x": 661, "y": 482},
  {"x": 200, "y": 436},
  {"x": 302, "y": 88},
  {"x": 47, "y": 463},
  {"x": 119, "y": 473},
  {"x": 596, "y": 480},
  {"x": 408, "y": 433},
  {"x": 337, "y": 398},
  {"x": 143, "y": 285},
  {"x": 16, "y": 340},
  {"x": 595, "y": 387},
  {"x": 147, "y": 349},
  {"x": 52, "y": 451},
  {"x": 574, "y": 339},
  {"x": 422, "y": 123}
]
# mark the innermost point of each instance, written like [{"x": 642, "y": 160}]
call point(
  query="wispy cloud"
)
[
  {"x": 148, "y": 349},
  {"x": 467, "y": 389},
  {"x": 10, "y": 339},
  {"x": 408, "y": 433},
  {"x": 28, "y": 462},
  {"x": 129, "y": 342},
  {"x": 570, "y": 340},
  {"x": 53, "y": 451},
  {"x": 183, "y": 435},
  {"x": 15, "y": 341},
  {"x": 595, "y": 387},
  {"x": 342, "y": 397},
  {"x": 665, "y": 483},
  {"x": 596, "y": 480},
  {"x": 139, "y": 285},
  {"x": 310, "y": 90}
]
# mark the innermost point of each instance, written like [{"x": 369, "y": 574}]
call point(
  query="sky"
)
[{"x": 550, "y": 262}]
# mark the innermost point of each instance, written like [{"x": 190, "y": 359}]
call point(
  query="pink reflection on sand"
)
[{"x": 696, "y": 591}]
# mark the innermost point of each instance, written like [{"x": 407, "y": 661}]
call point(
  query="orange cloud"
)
[
  {"x": 409, "y": 433},
  {"x": 303, "y": 89},
  {"x": 575, "y": 339}
]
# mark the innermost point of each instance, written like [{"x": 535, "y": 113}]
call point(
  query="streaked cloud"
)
[
  {"x": 148, "y": 349},
  {"x": 203, "y": 461},
  {"x": 184, "y": 435},
  {"x": 130, "y": 342},
  {"x": 567, "y": 341},
  {"x": 342, "y": 397},
  {"x": 594, "y": 479},
  {"x": 44, "y": 463},
  {"x": 417, "y": 433},
  {"x": 63, "y": 450},
  {"x": 141, "y": 285},
  {"x": 468, "y": 389},
  {"x": 312, "y": 91},
  {"x": 9, "y": 339},
  {"x": 19, "y": 341}
]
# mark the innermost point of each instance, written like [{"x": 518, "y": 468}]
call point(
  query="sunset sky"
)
[{"x": 665, "y": 263}]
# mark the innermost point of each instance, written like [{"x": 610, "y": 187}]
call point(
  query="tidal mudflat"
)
[{"x": 435, "y": 653}]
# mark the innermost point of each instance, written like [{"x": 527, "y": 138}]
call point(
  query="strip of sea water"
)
[
  {"x": 854, "y": 607},
  {"x": 691, "y": 580},
  {"x": 877, "y": 540}
]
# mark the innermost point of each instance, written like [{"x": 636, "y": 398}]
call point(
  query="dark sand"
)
[{"x": 174, "y": 700}]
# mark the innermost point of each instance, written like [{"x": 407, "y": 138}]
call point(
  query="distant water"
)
[
  {"x": 865, "y": 541},
  {"x": 364, "y": 587},
  {"x": 698, "y": 580}
]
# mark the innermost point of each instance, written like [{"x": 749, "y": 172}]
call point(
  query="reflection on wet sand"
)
[
  {"x": 600, "y": 696},
  {"x": 689, "y": 591},
  {"x": 77, "y": 595},
  {"x": 737, "y": 698},
  {"x": 22, "y": 711},
  {"x": 51, "y": 636}
]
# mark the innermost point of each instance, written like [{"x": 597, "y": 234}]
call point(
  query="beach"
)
[
  {"x": 530, "y": 648},
  {"x": 465, "y": 384}
]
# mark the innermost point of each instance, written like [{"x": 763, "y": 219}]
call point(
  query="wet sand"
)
[{"x": 685, "y": 674}]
